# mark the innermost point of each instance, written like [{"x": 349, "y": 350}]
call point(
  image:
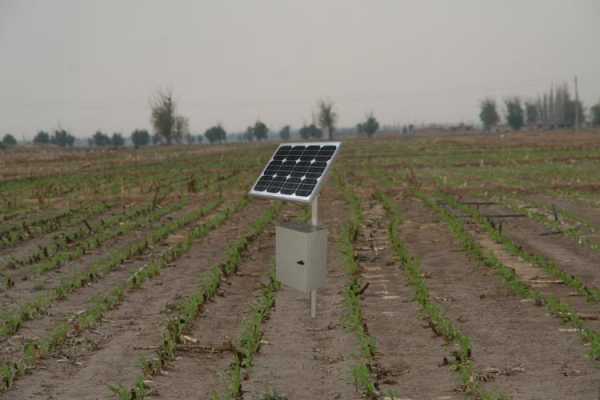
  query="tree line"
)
[
  {"x": 170, "y": 127},
  {"x": 59, "y": 137},
  {"x": 554, "y": 109}
]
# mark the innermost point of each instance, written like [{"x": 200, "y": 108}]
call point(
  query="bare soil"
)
[
  {"x": 305, "y": 358},
  {"x": 63, "y": 310},
  {"x": 198, "y": 374},
  {"x": 410, "y": 357},
  {"x": 110, "y": 353},
  {"x": 29, "y": 285},
  {"x": 517, "y": 347},
  {"x": 27, "y": 247},
  {"x": 537, "y": 278}
]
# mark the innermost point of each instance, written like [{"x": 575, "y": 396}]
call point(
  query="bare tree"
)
[
  {"x": 327, "y": 117},
  {"x": 163, "y": 115}
]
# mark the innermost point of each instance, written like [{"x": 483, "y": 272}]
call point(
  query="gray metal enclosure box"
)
[{"x": 301, "y": 255}]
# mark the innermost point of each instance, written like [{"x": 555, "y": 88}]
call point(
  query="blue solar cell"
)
[{"x": 311, "y": 175}]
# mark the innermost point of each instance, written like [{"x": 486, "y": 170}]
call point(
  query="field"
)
[{"x": 459, "y": 267}]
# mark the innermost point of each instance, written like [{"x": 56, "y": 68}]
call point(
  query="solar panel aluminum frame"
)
[{"x": 293, "y": 197}]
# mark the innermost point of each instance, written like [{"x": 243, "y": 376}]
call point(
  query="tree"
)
[
  {"x": 261, "y": 131},
  {"x": 181, "y": 128},
  {"x": 42, "y": 137},
  {"x": 157, "y": 139},
  {"x": 100, "y": 139},
  {"x": 556, "y": 108},
  {"x": 189, "y": 138},
  {"x": 327, "y": 117},
  {"x": 163, "y": 115},
  {"x": 284, "y": 133},
  {"x": 304, "y": 132},
  {"x": 62, "y": 138},
  {"x": 531, "y": 109},
  {"x": 117, "y": 140},
  {"x": 216, "y": 134},
  {"x": 9, "y": 140},
  {"x": 514, "y": 113},
  {"x": 249, "y": 134},
  {"x": 140, "y": 138},
  {"x": 310, "y": 132},
  {"x": 488, "y": 114},
  {"x": 572, "y": 108},
  {"x": 370, "y": 126},
  {"x": 595, "y": 114}
]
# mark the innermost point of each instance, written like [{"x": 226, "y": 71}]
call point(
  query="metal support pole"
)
[
  {"x": 314, "y": 219},
  {"x": 313, "y": 304}
]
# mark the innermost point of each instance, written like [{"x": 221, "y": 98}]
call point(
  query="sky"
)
[{"x": 95, "y": 65}]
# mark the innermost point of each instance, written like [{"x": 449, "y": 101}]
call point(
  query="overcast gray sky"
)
[{"x": 89, "y": 65}]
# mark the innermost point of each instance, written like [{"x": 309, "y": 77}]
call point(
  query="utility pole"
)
[{"x": 576, "y": 105}]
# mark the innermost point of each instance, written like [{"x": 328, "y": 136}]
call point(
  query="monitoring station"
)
[{"x": 296, "y": 172}]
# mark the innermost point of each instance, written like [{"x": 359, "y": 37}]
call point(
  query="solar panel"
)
[{"x": 296, "y": 171}]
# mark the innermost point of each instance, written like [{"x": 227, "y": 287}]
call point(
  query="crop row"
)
[
  {"x": 463, "y": 363},
  {"x": 509, "y": 276},
  {"x": 63, "y": 249},
  {"x": 189, "y": 308},
  {"x": 251, "y": 335},
  {"x": 250, "y": 339},
  {"x": 38, "y": 349},
  {"x": 33, "y": 227},
  {"x": 117, "y": 181},
  {"x": 29, "y": 229},
  {"x": 363, "y": 371},
  {"x": 12, "y": 321},
  {"x": 70, "y": 247},
  {"x": 592, "y": 294}
]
